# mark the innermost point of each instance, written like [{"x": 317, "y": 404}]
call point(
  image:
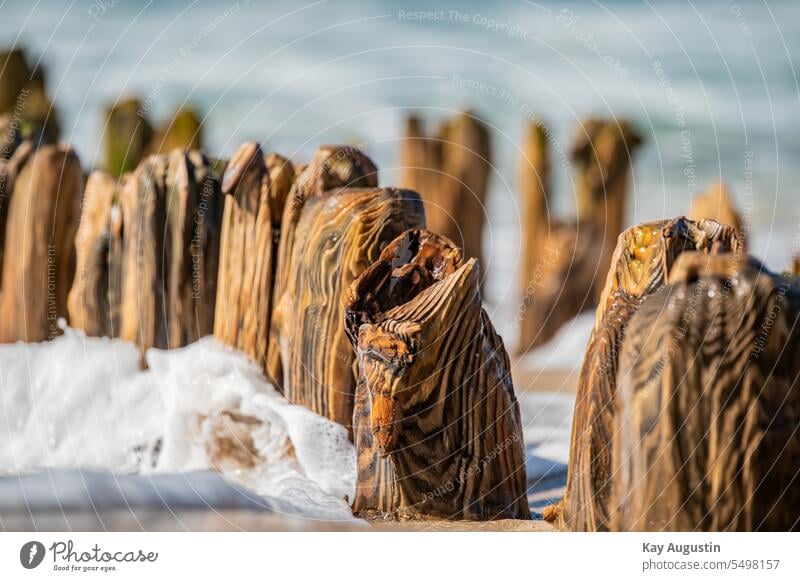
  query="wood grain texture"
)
[
  {"x": 342, "y": 233},
  {"x": 333, "y": 166},
  {"x": 88, "y": 301},
  {"x": 717, "y": 204},
  {"x": 642, "y": 260},
  {"x": 39, "y": 250},
  {"x": 450, "y": 168},
  {"x": 437, "y": 425},
  {"x": 705, "y": 431}
]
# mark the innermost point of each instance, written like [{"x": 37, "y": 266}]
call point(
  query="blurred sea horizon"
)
[{"x": 711, "y": 86}]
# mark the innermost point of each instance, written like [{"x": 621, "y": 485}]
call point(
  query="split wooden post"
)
[
  {"x": 641, "y": 264},
  {"x": 718, "y": 350},
  {"x": 39, "y": 252},
  {"x": 437, "y": 425}
]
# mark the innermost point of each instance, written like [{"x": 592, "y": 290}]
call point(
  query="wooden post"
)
[
  {"x": 451, "y": 171},
  {"x": 641, "y": 264},
  {"x": 183, "y": 130},
  {"x": 716, "y": 203},
  {"x": 573, "y": 257},
  {"x": 143, "y": 201},
  {"x": 332, "y": 167},
  {"x": 337, "y": 236},
  {"x": 9, "y": 169},
  {"x": 23, "y": 96},
  {"x": 39, "y": 257},
  {"x": 194, "y": 216},
  {"x": 536, "y": 259},
  {"x": 127, "y": 136},
  {"x": 88, "y": 301},
  {"x": 603, "y": 153},
  {"x": 704, "y": 438},
  {"x": 244, "y": 282},
  {"x": 437, "y": 425}
]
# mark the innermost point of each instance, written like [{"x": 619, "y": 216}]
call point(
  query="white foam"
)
[{"x": 83, "y": 402}]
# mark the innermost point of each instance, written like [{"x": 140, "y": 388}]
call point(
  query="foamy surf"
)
[{"x": 83, "y": 402}]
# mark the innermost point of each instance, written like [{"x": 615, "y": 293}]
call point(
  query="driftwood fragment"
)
[
  {"x": 642, "y": 260},
  {"x": 437, "y": 425},
  {"x": 39, "y": 251},
  {"x": 705, "y": 435},
  {"x": 332, "y": 167},
  {"x": 716, "y": 203},
  {"x": 338, "y": 235},
  {"x": 451, "y": 170},
  {"x": 88, "y": 301}
]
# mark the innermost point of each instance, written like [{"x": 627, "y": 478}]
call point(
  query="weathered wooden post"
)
[
  {"x": 641, "y": 264},
  {"x": 23, "y": 96},
  {"x": 437, "y": 425},
  {"x": 88, "y": 301},
  {"x": 332, "y": 167},
  {"x": 603, "y": 155},
  {"x": 39, "y": 253},
  {"x": 716, "y": 203},
  {"x": 705, "y": 433},
  {"x": 127, "y": 136},
  {"x": 144, "y": 260},
  {"x": 451, "y": 171},
  {"x": 535, "y": 218},
  {"x": 337, "y": 236},
  {"x": 194, "y": 219},
  {"x": 244, "y": 287},
  {"x": 183, "y": 130}
]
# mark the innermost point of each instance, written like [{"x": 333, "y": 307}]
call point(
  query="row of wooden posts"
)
[{"x": 335, "y": 287}]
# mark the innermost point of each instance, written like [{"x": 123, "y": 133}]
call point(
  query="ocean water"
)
[{"x": 712, "y": 87}]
